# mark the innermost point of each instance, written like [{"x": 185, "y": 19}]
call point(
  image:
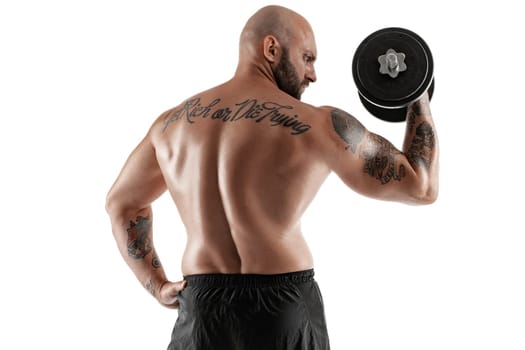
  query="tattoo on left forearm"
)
[
  {"x": 139, "y": 243},
  {"x": 422, "y": 146},
  {"x": 411, "y": 120},
  {"x": 414, "y": 111}
]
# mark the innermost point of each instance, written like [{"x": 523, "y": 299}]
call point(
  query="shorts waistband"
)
[{"x": 249, "y": 280}]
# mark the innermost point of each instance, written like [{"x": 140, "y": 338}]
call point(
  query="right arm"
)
[
  {"x": 372, "y": 166},
  {"x": 129, "y": 205}
]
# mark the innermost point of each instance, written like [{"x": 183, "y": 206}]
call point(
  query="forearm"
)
[
  {"x": 421, "y": 147},
  {"x": 133, "y": 233}
]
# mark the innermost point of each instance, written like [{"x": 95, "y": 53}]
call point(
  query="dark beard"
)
[{"x": 286, "y": 76}]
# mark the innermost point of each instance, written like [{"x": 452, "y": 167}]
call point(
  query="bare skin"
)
[{"x": 243, "y": 160}]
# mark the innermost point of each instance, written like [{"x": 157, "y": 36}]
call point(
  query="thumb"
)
[
  {"x": 173, "y": 288},
  {"x": 169, "y": 291}
]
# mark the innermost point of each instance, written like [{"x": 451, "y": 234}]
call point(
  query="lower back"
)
[{"x": 240, "y": 181}]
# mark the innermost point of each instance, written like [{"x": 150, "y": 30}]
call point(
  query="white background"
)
[{"x": 80, "y": 83}]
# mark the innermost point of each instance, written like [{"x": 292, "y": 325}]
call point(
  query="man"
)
[{"x": 242, "y": 161}]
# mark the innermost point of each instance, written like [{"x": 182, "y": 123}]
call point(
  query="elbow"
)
[
  {"x": 425, "y": 188},
  {"x": 120, "y": 207},
  {"x": 429, "y": 198},
  {"x": 111, "y": 209},
  {"x": 113, "y": 205},
  {"x": 110, "y": 203},
  {"x": 425, "y": 195},
  {"x": 117, "y": 215}
]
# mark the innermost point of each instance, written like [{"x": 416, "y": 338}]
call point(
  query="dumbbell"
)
[{"x": 391, "y": 68}]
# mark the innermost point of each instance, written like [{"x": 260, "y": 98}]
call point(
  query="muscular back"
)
[
  {"x": 243, "y": 160},
  {"x": 240, "y": 165}
]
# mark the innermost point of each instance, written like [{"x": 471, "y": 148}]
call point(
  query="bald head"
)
[
  {"x": 277, "y": 21},
  {"x": 278, "y": 44}
]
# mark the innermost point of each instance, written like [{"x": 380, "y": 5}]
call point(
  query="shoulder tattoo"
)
[{"x": 349, "y": 129}]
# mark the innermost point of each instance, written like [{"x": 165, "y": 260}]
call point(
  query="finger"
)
[
  {"x": 183, "y": 285},
  {"x": 175, "y": 287},
  {"x": 174, "y": 305},
  {"x": 169, "y": 300}
]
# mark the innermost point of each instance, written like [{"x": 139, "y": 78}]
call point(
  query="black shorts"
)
[{"x": 250, "y": 312}]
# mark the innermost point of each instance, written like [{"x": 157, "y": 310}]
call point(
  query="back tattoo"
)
[{"x": 273, "y": 113}]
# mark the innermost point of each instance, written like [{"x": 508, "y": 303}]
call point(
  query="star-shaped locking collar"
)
[{"x": 392, "y": 63}]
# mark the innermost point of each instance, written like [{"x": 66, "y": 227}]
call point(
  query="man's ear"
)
[{"x": 271, "y": 49}]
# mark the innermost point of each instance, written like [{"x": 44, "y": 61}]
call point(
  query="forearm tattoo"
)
[
  {"x": 155, "y": 261},
  {"x": 271, "y": 113},
  {"x": 411, "y": 121},
  {"x": 414, "y": 111},
  {"x": 139, "y": 242},
  {"x": 422, "y": 146},
  {"x": 150, "y": 286},
  {"x": 349, "y": 129}
]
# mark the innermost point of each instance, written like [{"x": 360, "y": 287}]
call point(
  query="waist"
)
[{"x": 249, "y": 280}]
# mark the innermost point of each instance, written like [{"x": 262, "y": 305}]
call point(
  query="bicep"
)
[
  {"x": 368, "y": 163},
  {"x": 140, "y": 181}
]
